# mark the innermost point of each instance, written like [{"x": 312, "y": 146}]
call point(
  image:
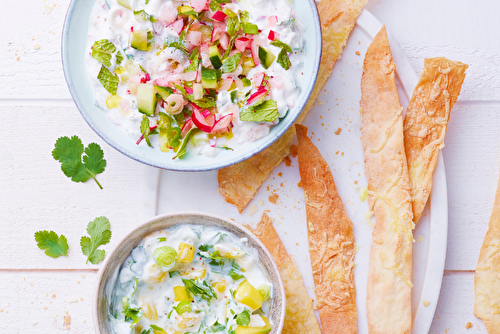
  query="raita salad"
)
[
  {"x": 191, "y": 279},
  {"x": 200, "y": 75}
]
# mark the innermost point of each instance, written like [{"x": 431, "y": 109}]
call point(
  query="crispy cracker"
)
[
  {"x": 239, "y": 183},
  {"x": 426, "y": 122},
  {"x": 389, "y": 194},
  {"x": 299, "y": 318},
  {"x": 487, "y": 278},
  {"x": 331, "y": 240}
]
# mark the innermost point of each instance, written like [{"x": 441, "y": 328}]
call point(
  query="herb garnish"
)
[
  {"x": 54, "y": 245},
  {"x": 100, "y": 234}
]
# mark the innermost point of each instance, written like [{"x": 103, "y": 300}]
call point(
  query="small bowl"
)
[
  {"x": 107, "y": 274},
  {"x": 73, "y": 50}
]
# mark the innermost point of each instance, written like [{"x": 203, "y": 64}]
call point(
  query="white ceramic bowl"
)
[
  {"x": 73, "y": 57},
  {"x": 114, "y": 260}
]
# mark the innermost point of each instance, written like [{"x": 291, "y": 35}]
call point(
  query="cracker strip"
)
[
  {"x": 331, "y": 240},
  {"x": 426, "y": 122},
  {"x": 487, "y": 278},
  {"x": 299, "y": 318},
  {"x": 239, "y": 183},
  {"x": 389, "y": 194}
]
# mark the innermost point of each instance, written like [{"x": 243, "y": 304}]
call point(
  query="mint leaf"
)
[
  {"x": 282, "y": 45},
  {"x": 54, "y": 245},
  {"x": 194, "y": 57},
  {"x": 233, "y": 25},
  {"x": 182, "y": 149},
  {"x": 244, "y": 16},
  {"x": 100, "y": 234},
  {"x": 103, "y": 51},
  {"x": 264, "y": 112},
  {"x": 231, "y": 63},
  {"x": 215, "y": 5},
  {"x": 146, "y": 130},
  {"x": 243, "y": 319},
  {"x": 108, "y": 80},
  {"x": 283, "y": 60}
]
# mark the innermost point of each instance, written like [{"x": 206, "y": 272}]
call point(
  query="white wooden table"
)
[{"x": 45, "y": 295}]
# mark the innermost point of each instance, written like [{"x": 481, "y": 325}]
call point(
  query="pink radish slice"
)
[
  {"x": 222, "y": 124},
  {"x": 210, "y": 120},
  {"x": 198, "y": 5},
  {"x": 188, "y": 76},
  {"x": 257, "y": 78},
  {"x": 167, "y": 15},
  {"x": 219, "y": 16},
  {"x": 205, "y": 113},
  {"x": 273, "y": 35},
  {"x": 200, "y": 121},
  {"x": 255, "y": 52},
  {"x": 187, "y": 126},
  {"x": 224, "y": 41},
  {"x": 178, "y": 26},
  {"x": 242, "y": 43},
  {"x": 226, "y": 84},
  {"x": 272, "y": 21},
  {"x": 257, "y": 96}
]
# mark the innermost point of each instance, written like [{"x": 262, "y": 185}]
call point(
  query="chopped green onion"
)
[{"x": 165, "y": 257}]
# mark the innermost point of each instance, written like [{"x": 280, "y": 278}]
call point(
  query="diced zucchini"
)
[
  {"x": 250, "y": 28},
  {"x": 214, "y": 55},
  {"x": 124, "y": 3},
  {"x": 146, "y": 99},
  {"x": 266, "y": 57},
  {"x": 164, "y": 92},
  {"x": 139, "y": 39},
  {"x": 208, "y": 78},
  {"x": 247, "y": 65}
]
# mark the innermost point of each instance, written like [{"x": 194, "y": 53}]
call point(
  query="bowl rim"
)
[
  {"x": 99, "y": 282},
  {"x": 195, "y": 168}
]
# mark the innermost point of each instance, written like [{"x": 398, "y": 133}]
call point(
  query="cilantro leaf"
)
[
  {"x": 54, "y": 246},
  {"x": 108, "y": 80},
  {"x": 264, "y": 112},
  {"x": 234, "y": 275},
  {"x": 216, "y": 327},
  {"x": 205, "y": 290},
  {"x": 133, "y": 314},
  {"x": 69, "y": 153},
  {"x": 231, "y": 63},
  {"x": 99, "y": 232},
  {"x": 243, "y": 319}
]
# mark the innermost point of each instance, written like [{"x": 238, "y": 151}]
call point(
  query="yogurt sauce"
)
[
  {"x": 275, "y": 19},
  {"x": 149, "y": 296}
]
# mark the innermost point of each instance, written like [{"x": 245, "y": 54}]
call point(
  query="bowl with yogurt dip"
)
[
  {"x": 191, "y": 85},
  {"x": 189, "y": 272}
]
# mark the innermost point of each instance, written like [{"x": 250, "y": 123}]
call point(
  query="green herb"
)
[
  {"x": 216, "y": 327},
  {"x": 244, "y": 16},
  {"x": 265, "y": 330},
  {"x": 234, "y": 95},
  {"x": 246, "y": 82},
  {"x": 228, "y": 51},
  {"x": 234, "y": 275},
  {"x": 194, "y": 57},
  {"x": 151, "y": 39},
  {"x": 54, "y": 245},
  {"x": 69, "y": 153},
  {"x": 144, "y": 331},
  {"x": 156, "y": 328},
  {"x": 182, "y": 149},
  {"x": 141, "y": 15},
  {"x": 103, "y": 51},
  {"x": 174, "y": 273},
  {"x": 264, "y": 112},
  {"x": 243, "y": 319},
  {"x": 205, "y": 290},
  {"x": 233, "y": 25},
  {"x": 250, "y": 28},
  {"x": 163, "y": 239},
  {"x": 133, "y": 314},
  {"x": 214, "y": 257},
  {"x": 280, "y": 44},
  {"x": 231, "y": 63},
  {"x": 99, "y": 232},
  {"x": 135, "y": 286},
  {"x": 205, "y": 102},
  {"x": 225, "y": 148},
  {"x": 146, "y": 130},
  {"x": 108, "y": 80},
  {"x": 215, "y": 5},
  {"x": 174, "y": 136},
  {"x": 183, "y": 307},
  {"x": 283, "y": 60}
]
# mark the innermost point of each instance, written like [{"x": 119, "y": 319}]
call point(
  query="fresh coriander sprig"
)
[
  {"x": 100, "y": 234},
  {"x": 54, "y": 245},
  {"x": 69, "y": 152}
]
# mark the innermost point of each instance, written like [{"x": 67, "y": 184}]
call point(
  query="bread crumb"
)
[
  {"x": 339, "y": 130},
  {"x": 36, "y": 46},
  {"x": 273, "y": 198},
  {"x": 468, "y": 325},
  {"x": 358, "y": 53},
  {"x": 54, "y": 295},
  {"x": 34, "y": 323},
  {"x": 47, "y": 9},
  {"x": 320, "y": 102},
  {"x": 253, "y": 209},
  {"x": 426, "y": 303},
  {"x": 82, "y": 276},
  {"x": 67, "y": 321},
  {"x": 288, "y": 161},
  {"x": 294, "y": 150},
  {"x": 73, "y": 300},
  {"x": 261, "y": 202},
  {"x": 420, "y": 238}
]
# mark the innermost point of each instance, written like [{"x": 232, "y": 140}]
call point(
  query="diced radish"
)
[
  {"x": 193, "y": 38},
  {"x": 272, "y": 21},
  {"x": 273, "y": 35},
  {"x": 167, "y": 14},
  {"x": 200, "y": 122},
  {"x": 222, "y": 125},
  {"x": 257, "y": 79},
  {"x": 257, "y": 96},
  {"x": 215, "y": 35},
  {"x": 226, "y": 84},
  {"x": 178, "y": 26},
  {"x": 195, "y": 25},
  {"x": 224, "y": 41},
  {"x": 198, "y": 5},
  {"x": 242, "y": 43},
  {"x": 189, "y": 90},
  {"x": 187, "y": 126},
  {"x": 255, "y": 52},
  {"x": 219, "y": 16},
  {"x": 198, "y": 91},
  {"x": 205, "y": 113}
]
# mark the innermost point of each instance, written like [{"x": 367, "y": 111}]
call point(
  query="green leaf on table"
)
[
  {"x": 53, "y": 244},
  {"x": 108, "y": 80},
  {"x": 263, "y": 112},
  {"x": 69, "y": 152},
  {"x": 100, "y": 234}
]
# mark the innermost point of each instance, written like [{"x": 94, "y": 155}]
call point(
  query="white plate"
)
[{"x": 338, "y": 107}]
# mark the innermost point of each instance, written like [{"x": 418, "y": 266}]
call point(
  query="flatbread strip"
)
[
  {"x": 239, "y": 183},
  {"x": 389, "y": 194},
  {"x": 426, "y": 122},
  {"x": 487, "y": 278},
  {"x": 331, "y": 241},
  {"x": 299, "y": 318}
]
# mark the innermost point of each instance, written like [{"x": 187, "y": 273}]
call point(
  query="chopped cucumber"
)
[
  {"x": 164, "y": 92},
  {"x": 208, "y": 78},
  {"x": 266, "y": 57},
  {"x": 139, "y": 40},
  {"x": 214, "y": 55},
  {"x": 124, "y": 3},
  {"x": 250, "y": 28},
  {"x": 146, "y": 99}
]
